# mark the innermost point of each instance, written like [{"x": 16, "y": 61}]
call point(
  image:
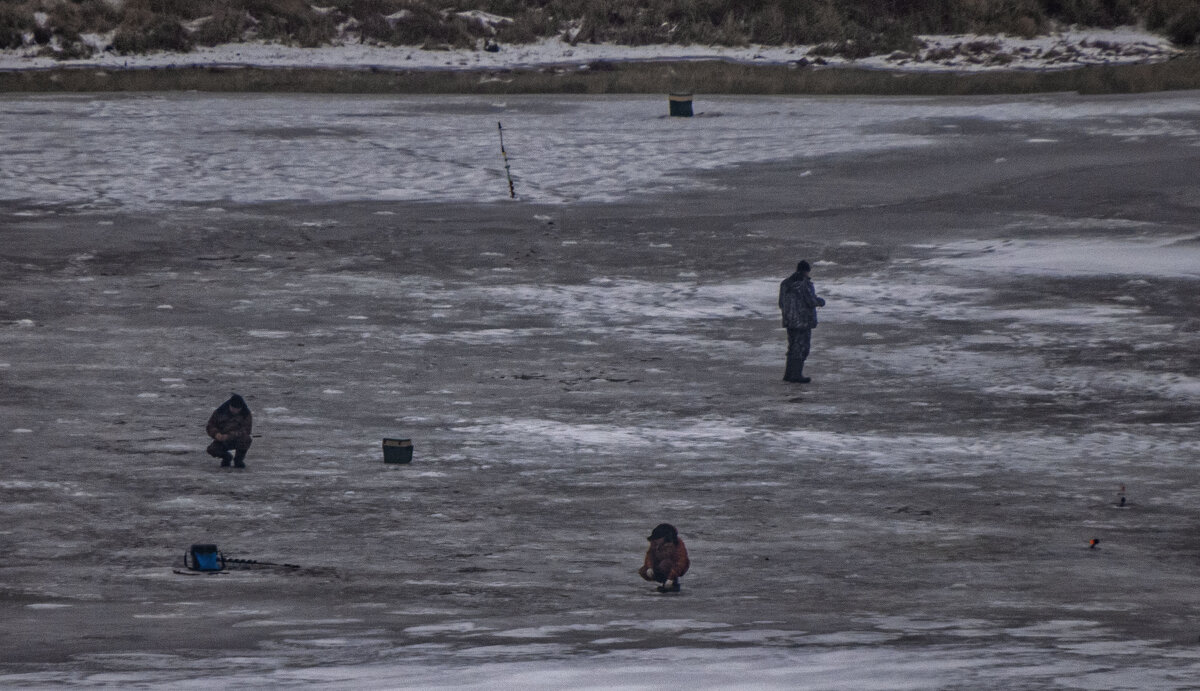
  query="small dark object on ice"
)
[
  {"x": 204, "y": 558},
  {"x": 1094, "y": 543}
]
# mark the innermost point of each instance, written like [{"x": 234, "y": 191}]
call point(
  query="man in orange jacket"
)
[{"x": 666, "y": 558}]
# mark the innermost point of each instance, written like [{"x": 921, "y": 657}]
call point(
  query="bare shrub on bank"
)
[
  {"x": 225, "y": 25},
  {"x": 145, "y": 32},
  {"x": 850, "y": 28},
  {"x": 1178, "y": 19},
  {"x": 14, "y": 22}
]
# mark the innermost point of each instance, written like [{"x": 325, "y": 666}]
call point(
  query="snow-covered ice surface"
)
[
  {"x": 142, "y": 151},
  {"x": 1010, "y": 339}
]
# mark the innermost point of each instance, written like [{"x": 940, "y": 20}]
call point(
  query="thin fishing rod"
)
[{"x": 512, "y": 193}]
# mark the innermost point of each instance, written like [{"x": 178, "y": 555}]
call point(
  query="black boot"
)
[
  {"x": 795, "y": 372},
  {"x": 239, "y": 461},
  {"x": 669, "y": 586},
  {"x": 226, "y": 459}
]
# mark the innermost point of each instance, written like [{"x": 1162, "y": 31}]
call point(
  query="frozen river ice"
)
[
  {"x": 143, "y": 151},
  {"x": 1010, "y": 341}
]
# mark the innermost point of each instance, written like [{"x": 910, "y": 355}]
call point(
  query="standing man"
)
[
  {"x": 229, "y": 426},
  {"x": 799, "y": 302}
]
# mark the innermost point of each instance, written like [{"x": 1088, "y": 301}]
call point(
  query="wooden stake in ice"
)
[{"x": 512, "y": 193}]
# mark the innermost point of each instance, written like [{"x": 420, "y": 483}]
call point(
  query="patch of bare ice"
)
[
  {"x": 450, "y": 627},
  {"x": 31, "y": 484},
  {"x": 1078, "y": 256},
  {"x": 295, "y": 622},
  {"x": 292, "y": 420},
  {"x": 607, "y": 436},
  {"x": 668, "y": 625},
  {"x": 547, "y": 631}
]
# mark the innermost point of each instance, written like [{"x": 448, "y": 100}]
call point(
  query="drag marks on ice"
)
[
  {"x": 770, "y": 660},
  {"x": 623, "y": 301},
  {"x": 966, "y": 338},
  {"x": 671, "y": 314},
  {"x": 919, "y": 454}
]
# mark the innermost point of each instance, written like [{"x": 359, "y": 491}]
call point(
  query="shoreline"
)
[{"x": 598, "y": 77}]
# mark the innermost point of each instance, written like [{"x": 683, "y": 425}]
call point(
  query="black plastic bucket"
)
[
  {"x": 397, "y": 450},
  {"x": 681, "y": 105}
]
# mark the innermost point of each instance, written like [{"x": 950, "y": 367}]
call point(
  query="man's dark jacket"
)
[{"x": 798, "y": 302}]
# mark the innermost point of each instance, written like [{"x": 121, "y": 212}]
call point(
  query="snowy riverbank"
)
[{"x": 1060, "y": 50}]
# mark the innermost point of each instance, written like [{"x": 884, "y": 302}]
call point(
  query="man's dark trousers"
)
[{"x": 799, "y": 343}]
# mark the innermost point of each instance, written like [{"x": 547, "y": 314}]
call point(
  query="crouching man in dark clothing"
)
[
  {"x": 229, "y": 426},
  {"x": 666, "y": 558},
  {"x": 798, "y": 302}
]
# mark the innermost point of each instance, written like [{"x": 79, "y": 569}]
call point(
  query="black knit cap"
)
[
  {"x": 236, "y": 401},
  {"x": 803, "y": 266},
  {"x": 664, "y": 530}
]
